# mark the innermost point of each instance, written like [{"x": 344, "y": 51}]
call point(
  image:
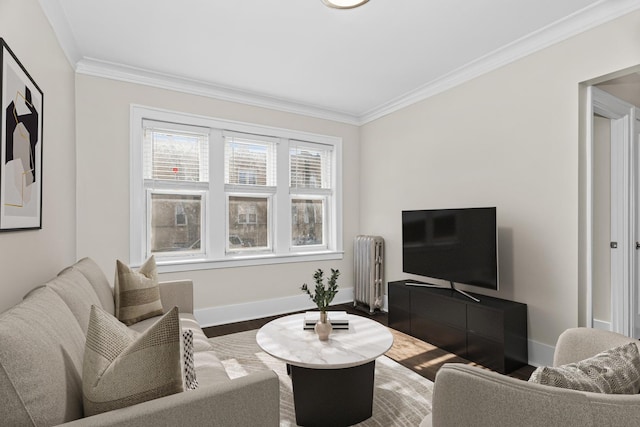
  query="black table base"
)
[{"x": 332, "y": 397}]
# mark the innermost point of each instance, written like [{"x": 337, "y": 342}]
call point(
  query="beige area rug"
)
[{"x": 401, "y": 397}]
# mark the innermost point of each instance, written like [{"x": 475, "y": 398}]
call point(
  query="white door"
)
[
  {"x": 635, "y": 277},
  {"x": 624, "y": 213},
  {"x": 622, "y": 241}
]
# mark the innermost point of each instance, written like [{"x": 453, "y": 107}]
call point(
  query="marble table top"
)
[{"x": 285, "y": 339}]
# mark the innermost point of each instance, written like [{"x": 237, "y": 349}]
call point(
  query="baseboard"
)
[
  {"x": 601, "y": 324},
  {"x": 222, "y": 315},
  {"x": 540, "y": 354}
]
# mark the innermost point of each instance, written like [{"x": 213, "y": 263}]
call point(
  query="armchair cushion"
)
[{"x": 614, "y": 371}]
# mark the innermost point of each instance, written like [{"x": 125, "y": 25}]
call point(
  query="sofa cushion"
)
[
  {"x": 615, "y": 371},
  {"x": 137, "y": 295},
  {"x": 123, "y": 368},
  {"x": 209, "y": 369},
  {"x": 76, "y": 291},
  {"x": 98, "y": 280},
  {"x": 41, "y": 351},
  {"x": 187, "y": 321}
]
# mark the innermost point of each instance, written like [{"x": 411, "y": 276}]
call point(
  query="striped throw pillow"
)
[{"x": 136, "y": 292}]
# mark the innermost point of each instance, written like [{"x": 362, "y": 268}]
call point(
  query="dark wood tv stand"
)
[{"x": 492, "y": 332}]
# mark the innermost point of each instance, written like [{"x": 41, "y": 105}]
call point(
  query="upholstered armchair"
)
[{"x": 466, "y": 395}]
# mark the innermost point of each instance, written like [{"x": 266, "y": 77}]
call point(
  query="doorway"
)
[{"x": 613, "y": 285}]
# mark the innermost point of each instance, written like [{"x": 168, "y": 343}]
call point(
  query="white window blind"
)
[
  {"x": 249, "y": 160},
  {"x": 310, "y": 165},
  {"x": 175, "y": 156}
]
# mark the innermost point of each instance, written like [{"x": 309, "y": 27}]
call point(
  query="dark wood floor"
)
[{"x": 417, "y": 355}]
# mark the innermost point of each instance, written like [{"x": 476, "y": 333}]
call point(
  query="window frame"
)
[{"x": 214, "y": 247}]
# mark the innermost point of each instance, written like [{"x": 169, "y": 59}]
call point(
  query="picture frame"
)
[{"x": 21, "y": 112}]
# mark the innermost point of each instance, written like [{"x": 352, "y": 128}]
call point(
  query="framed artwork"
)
[{"x": 20, "y": 145}]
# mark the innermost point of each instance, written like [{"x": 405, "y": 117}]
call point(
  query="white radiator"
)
[{"x": 368, "y": 254}]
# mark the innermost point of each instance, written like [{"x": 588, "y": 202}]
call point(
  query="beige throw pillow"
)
[
  {"x": 615, "y": 371},
  {"x": 136, "y": 292},
  {"x": 123, "y": 368}
]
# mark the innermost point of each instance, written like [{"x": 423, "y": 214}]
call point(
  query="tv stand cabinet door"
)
[
  {"x": 439, "y": 320},
  {"x": 399, "y": 307},
  {"x": 497, "y": 334}
]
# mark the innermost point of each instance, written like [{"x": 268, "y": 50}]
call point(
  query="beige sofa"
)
[
  {"x": 470, "y": 396},
  {"x": 41, "y": 352}
]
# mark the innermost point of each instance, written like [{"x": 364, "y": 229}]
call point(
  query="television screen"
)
[{"x": 457, "y": 245}]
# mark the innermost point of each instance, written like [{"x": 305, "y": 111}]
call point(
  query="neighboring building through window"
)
[
  {"x": 311, "y": 192},
  {"x": 216, "y": 192}
]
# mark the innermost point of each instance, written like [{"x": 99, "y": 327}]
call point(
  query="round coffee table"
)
[{"x": 332, "y": 380}]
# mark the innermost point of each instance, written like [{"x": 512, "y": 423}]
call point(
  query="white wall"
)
[
  {"x": 28, "y": 258},
  {"x": 103, "y": 108},
  {"x": 510, "y": 139}
]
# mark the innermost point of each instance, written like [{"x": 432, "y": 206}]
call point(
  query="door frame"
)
[{"x": 622, "y": 223}]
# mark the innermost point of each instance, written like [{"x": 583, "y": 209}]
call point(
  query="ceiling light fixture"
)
[{"x": 344, "y": 4}]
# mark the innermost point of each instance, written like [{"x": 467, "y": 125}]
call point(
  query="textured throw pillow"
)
[
  {"x": 615, "y": 371},
  {"x": 190, "y": 381},
  {"x": 136, "y": 292},
  {"x": 122, "y": 367}
]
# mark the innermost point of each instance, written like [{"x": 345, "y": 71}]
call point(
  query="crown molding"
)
[
  {"x": 97, "y": 68},
  {"x": 579, "y": 22},
  {"x": 597, "y": 14},
  {"x": 55, "y": 14}
]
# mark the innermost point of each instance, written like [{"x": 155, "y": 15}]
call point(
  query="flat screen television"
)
[{"x": 456, "y": 245}]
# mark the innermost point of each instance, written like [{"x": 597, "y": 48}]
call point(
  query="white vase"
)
[{"x": 323, "y": 328}]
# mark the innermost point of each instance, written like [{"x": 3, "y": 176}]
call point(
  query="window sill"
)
[{"x": 171, "y": 266}]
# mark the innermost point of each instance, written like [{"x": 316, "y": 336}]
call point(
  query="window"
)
[
  {"x": 177, "y": 233},
  {"x": 249, "y": 223},
  {"x": 209, "y": 193},
  {"x": 311, "y": 190},
  {"x": 249, "y": 160},
  {"x": 250, "y": 167},
  {"x": 176, "y": 176}
]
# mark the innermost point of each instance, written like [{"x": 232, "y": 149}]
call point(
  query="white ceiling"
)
[{"x": 299, "y": 55}]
